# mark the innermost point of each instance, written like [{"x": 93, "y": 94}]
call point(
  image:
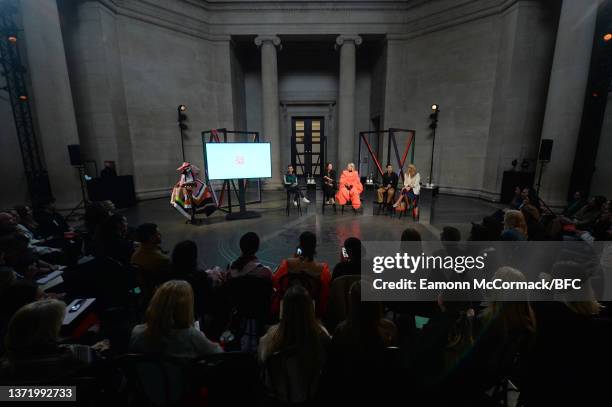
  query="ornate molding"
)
[
  {"x": 274, "y": 39},
  {"x": 341, "y": 39}
]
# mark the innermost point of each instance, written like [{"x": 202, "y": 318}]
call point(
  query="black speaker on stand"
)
[
  {"x": 544, "y": 156},
  {"x": 74, "y": 152}
]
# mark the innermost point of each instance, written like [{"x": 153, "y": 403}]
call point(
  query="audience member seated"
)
[
  {"x": 365, "y": 332},
  {"x": 33, "y": 352},
  {"x": 10, "y": 223},
  {"x": 169, "y": 329},
  {"x": 517, "y": 198},
  {"x": 532, "y": 217},
  {"x": 574, "y": 205},
  {"x": 26, "y": 220},
  {"x": 185, "y": 267},
  {"x": 111, "y": 238},
  {"x": 356, "y": 355},
  {"x": 153, "y": 265},
  {"x": 441, "y": 347},
  {"x": 349, "y": 187},
  {"x": 304, "y": 270},
  {"x": 248, "y": 264},
  {"x": 505, "y": 331},
  {"x": 19, "y": 257},
  {"x": 16, "y": 294},
  {"x": 351, "y": 264},
  {"x": 293, "y": 352},
  {"x": 570, "y": 337},
  {"x": 585, "y": 217},
  {"x": 515, "y": 227},
  {"x": 50, "y": 222}
]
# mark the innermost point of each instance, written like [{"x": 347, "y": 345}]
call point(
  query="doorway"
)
[{"x": 308, "y": 145}]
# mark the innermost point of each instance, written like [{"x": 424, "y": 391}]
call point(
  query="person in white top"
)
[{"x": 410, "y": 191}]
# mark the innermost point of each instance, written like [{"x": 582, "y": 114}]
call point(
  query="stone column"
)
[
  {"x": 566, "y": 91},
  {"x": 51, "y": 96},
  {"x": 347, "y": 45},
  {"x": 270, "y": 103}
]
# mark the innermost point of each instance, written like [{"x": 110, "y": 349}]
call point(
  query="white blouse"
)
[{"x": 413, "y": 182}]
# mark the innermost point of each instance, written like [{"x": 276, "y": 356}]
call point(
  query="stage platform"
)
[{"x": 218, "y": 238}]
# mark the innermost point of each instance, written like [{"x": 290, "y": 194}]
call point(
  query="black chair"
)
[
  {"x": 349, "y": 203},
  {"x": 155, "y": 380},
  {"x": 287, "y": 381},
  {"x": 250, "y": 299},
  {"x": 289, "y": 203},
  {"x": 387, "y": 207}
]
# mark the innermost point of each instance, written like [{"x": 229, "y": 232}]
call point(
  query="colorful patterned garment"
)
[{"x": 190, "y": 195}]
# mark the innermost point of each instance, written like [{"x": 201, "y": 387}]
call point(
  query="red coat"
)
[{"x": 351, "y": 178}]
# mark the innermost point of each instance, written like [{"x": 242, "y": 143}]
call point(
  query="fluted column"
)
[
  {"x": 52, "y": 96},
  {"x": 347, "y": 44},
  {"x": 566, "y": 91},
  {"x": 270, "y": 103}
]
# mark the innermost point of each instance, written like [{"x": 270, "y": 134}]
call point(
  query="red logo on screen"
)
[{"x": 239, "y": 160}]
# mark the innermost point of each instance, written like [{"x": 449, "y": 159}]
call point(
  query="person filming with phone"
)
[
  {"x": 302, "y": 269},
  {"x": 350, "y": 259}
]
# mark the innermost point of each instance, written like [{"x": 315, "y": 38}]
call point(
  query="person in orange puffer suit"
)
[{"x": 349, "y": 187}]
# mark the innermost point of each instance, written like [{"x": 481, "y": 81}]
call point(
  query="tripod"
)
[{"x": 84, "y": 200}]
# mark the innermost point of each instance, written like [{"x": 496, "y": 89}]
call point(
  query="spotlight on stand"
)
[
  {"x": 182, "y": 118},
  {"x": 433, "y": 124}
]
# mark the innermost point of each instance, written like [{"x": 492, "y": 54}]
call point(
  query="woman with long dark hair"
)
[{"x": 297, "y": 344}]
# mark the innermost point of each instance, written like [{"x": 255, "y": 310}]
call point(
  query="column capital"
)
[
  {"x": 273, "y": 39},
  {"x": 343, "y": 38}
]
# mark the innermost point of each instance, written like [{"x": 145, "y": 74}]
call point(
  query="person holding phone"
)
[
  {"x": 351, "y": 255},
  {"x": 303, "y": 269}
]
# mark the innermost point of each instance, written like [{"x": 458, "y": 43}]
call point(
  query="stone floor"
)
[{"x": 218, "y": 238}]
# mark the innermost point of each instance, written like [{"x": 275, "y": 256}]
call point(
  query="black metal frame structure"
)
[
  {"x": 228, "y": 185},
  {"x": 15, "y": 75},
  {"x": 391, "y": 145}
]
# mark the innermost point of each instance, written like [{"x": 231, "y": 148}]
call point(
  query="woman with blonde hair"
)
[
  {"x": 515, "y": 226},
  {"x": 349, "y": 187},
  {"x": 32, "y": 344},
  {"x": 170, "y": 325},
  {"x": 411, "y": 190}
]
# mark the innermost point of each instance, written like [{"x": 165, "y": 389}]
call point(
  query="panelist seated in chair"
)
[
  {"x": 410, "y": 191},
  {"x": 291, "y": 184},
  {"x": 349, "y": 187},
  {"x": 388, "y": 186},
  {"x": 329, "y": 183}
]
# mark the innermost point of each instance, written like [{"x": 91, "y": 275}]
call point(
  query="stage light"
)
[
  {"x": 607, "y": 37},
  {"x": 12, "y": 39},
  {"x": 23, "y": 98},
  {"x": 435, "y": 107},
  {"x": 182, "y": 108}
]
